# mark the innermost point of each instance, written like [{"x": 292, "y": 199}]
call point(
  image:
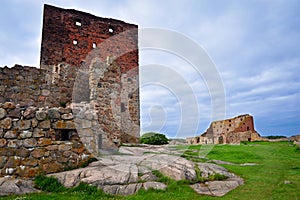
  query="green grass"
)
[
  {"x": 48, "y": 184},
  {"x": 276, "y": 162}
]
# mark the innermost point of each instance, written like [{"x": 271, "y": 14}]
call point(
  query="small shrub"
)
[
  {"x": 217, "y": 177},
  {"x": 48, "y": 184},
  {"x": 154, "y": 139}
]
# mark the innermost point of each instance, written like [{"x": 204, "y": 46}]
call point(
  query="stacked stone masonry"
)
[
  {"x": 28, "y": 86},
  {"x": 38, "y": 140}
]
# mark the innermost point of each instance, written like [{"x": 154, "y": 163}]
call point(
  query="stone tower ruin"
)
[{"x": 99, "y": 57}]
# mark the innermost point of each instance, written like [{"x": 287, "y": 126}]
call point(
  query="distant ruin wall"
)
[
  {"x": 228, "y": 131},
  {"x": 38, "y": 140}
]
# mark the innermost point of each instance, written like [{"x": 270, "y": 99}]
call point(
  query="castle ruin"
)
[{"x": 229, "y": 131}]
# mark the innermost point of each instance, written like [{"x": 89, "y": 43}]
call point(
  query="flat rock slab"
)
[
  {"x": 132, "y": 188},
  {"x": 217, "y": 188},
  {"x": 128, "y": 173},
  {"x": 123, "y": 174}
]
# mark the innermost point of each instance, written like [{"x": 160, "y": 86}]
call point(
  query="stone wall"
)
[
  {"x": 27, "y": 86},
  {"x": 38, "y": 140}
]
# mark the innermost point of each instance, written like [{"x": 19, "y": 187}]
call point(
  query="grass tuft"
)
[
  {"x": 162, "y": 178},
  {"x": 217, "y": 177},
  {"x": 48, "y": 184}
]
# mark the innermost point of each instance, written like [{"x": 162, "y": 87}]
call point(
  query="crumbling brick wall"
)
[{"x": 70, "y": 35}]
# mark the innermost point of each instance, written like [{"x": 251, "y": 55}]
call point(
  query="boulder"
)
[
  {"x": 217, "y": 188},
  {"x": 9, "y": 186}
]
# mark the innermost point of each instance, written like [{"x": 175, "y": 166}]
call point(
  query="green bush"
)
[{"x": 154, "y": 138}]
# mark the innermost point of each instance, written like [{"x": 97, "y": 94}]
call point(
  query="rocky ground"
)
[{"x": 132, "y": 170}]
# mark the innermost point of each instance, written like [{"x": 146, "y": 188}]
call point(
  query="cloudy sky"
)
[{"x": 253, "y": 46}]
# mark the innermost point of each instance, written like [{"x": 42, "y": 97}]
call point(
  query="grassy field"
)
[{"x": 276, "y": 163}]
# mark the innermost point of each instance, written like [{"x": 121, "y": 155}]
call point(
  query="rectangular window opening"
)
[
  {"x": 111, "y": 29},
  {"x": 63, "y": 135},
  {"x": 78, "y": 22}
]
